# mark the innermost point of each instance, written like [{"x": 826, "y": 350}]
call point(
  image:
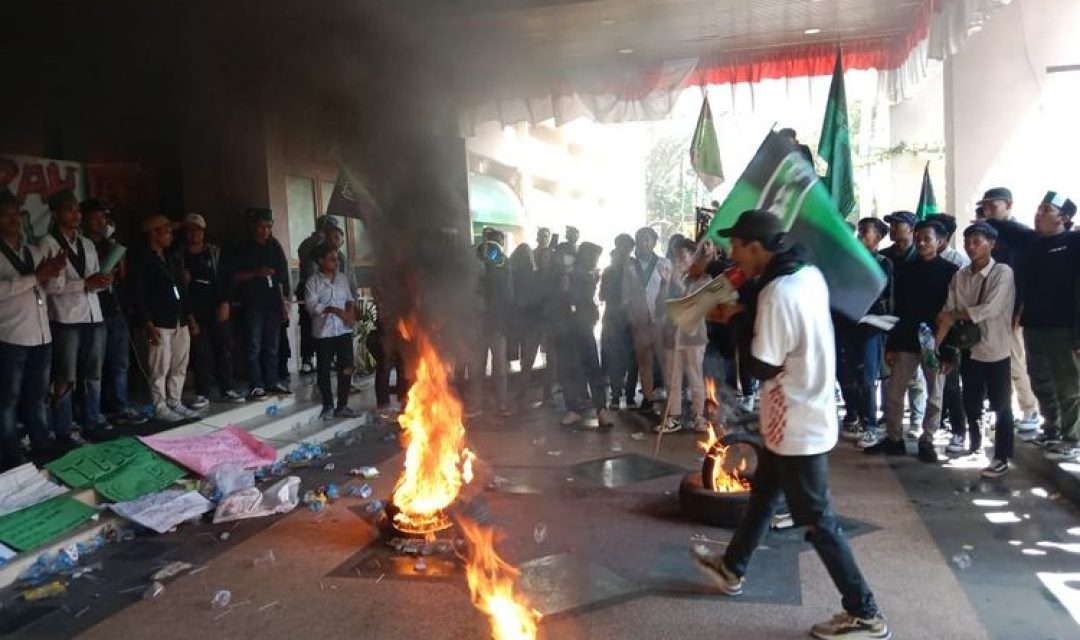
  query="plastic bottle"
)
[
  {"x": 221, "y": 599},
  {"x": 365, "y": 491},
  {"x": 272, "y": 409},
  {"x": 928, "y": 346},
  {"x": 332, "y": 492}
]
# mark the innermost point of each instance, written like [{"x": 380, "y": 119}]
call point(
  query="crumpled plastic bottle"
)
[{"x": 221, "y": 599}]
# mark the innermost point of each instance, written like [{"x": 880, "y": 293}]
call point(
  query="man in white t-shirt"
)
[{"x": 791, "y": 347}]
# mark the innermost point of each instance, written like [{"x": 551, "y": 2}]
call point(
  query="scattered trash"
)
[
  {"x": 420, "y": 565},
  {"x": 637, "y": 435},
  {"x": 272, "y": 409},
  {"x": 305, "y": 452},
  {"x": 962, "y": 560},
  {"x": 265, "y": 559},
  {"x": 282, "y": 497},
  {"x": 380, "y": 579},
  {"x": 1040, "y": 492},
  {"x": 54, "y": 589},
  {"x": 540, "y": 533},
  {"x": 229, "y": 477},
  {"x": 82, "y": 612},
  {"x": 498, "y": 482},
  {"x": 365, "y": 491},
  {"x": 390, "y": 437},
  {"x": 375, "y": 506},
  {"x": 329, "y": 466},
  {"x": 171, "y": 570},
  {"x": 554, "y": 453},
  {"x": 367, "y": 473},
  {"x": 221, "y": 599},
  {"x": 224, "y": 537},
  {"x": 967, "y": 547},
  {"x": 154, "y": 591},
  {"x": 62, "y": 562},
  {"x": 332, "y": 492},
  {"x": 278, "y": 469},
  {"x": 616, "y": 447},
  {"x": 701, "y": 537},
  {"x": 540, "y": 441}
]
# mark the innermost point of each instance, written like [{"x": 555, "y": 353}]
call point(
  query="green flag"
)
[
  {"x": 835, "y": 144},
  {"x": 927, "y": 201},
  {"x": 705, "y": 150},
  {"x": 780, "y": 180}
]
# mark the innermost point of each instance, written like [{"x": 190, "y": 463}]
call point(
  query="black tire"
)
[
  {"x": 741, "y": 446},
  {"x": 709, "y": 507}
]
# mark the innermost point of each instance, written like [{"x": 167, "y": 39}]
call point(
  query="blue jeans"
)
[
  {"x": 804, "y": 481},
  {"x": 78, "y": 355},
  {"x": 24, "y": 387},
  {"x": 262, "y": 329},
  {"x": 114, "y": 373},
  {"x": 858, "y": 369}
]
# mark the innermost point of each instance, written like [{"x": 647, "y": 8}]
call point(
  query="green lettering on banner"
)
[
  {"x": 120, "y": 470},
  {"x": 34, "y": 526}
]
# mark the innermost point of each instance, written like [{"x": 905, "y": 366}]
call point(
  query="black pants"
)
[
  {"x": 211, "y": 356},
  {"x": 619, "y": 361},
  {"x": 858, "y": 367},
  {"x": 952, "y": 403},
  {"x": 803, "y": 480},
  {"x": 579, "y": 370},
  {"x": 385, "y": 361},
  {"x": 329, "y": 349},
  {"x": 982, "y": 379}
]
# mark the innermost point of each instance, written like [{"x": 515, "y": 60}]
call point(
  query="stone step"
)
[{"x": 296, "y": 421}]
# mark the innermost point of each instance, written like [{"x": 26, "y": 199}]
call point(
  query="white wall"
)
[
  {"x": 1008, "y": 122},
  {"x": 919, "y": 121}
]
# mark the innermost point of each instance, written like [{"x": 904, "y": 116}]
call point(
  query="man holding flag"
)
[{"x": 792, "y": 350}]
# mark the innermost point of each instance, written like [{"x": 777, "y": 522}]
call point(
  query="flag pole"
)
[{"x": 667, "y": 401}]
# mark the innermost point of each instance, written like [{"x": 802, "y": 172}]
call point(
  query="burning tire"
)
[{"x": 702, "y": 500}]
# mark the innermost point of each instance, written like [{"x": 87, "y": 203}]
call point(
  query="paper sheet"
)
[
  {"x": 113, "y": 259},
  {"x": 6, "y": 554},
  {"x": 202, "y": 453},
  {"x": 163, "y": 510},
  {"x": 25, "y": 486},
  {"x": 34, "y": 526}
]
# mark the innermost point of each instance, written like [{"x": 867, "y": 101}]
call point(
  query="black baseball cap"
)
[
  {"x": 881, "y": 228},
  {"x": 997, "y": 193},
  {"x": 94, "y": 204},
  {"x": 983, "y": 229},
  {"x": 903, "y": 217},
  {"x": 756, "y": 224}
]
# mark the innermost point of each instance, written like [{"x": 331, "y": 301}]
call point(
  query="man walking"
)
[
  {"x": 996, "y": 204},
  {"x": 25, "y": 338},
  {"x": 212, "y": 345},
  {"x": 78, "y": 326},
  {"x": 920, "y": 292},
  {"x": 1050, "y": 258},
  {"x": 791, "y": 334},
  {"x": 983, "y": 293},
  {"x": 161, "y": 309}
]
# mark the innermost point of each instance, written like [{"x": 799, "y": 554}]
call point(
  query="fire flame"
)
[
  {"x": 710, "y": 391},
  {"x": 437, "y": 463},
  {"x": 491, "y": 583},
  {"x": 723, "y": 481}
]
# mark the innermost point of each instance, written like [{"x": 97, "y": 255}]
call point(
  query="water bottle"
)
[
  {"x": 272, "y": 409},
  {"x": 928, "y": 346}
]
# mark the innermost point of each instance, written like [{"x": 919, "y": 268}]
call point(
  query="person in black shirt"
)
[
  {"x": 1049, "y": 259},
  {"x": 160, "y": 307},
  {"x": 996, "y": 204},
  {"x": 114, "y": 370},
  {"x": 211, "y": 347},
  {"x": 920, "y": 290},
  {"x": 259, "y": 276},
  {"x": 616, "y": 339},
  {"x": 524, "y": 328},
  {"x": 497, "y": 293}
]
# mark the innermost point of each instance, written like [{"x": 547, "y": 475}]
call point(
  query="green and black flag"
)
[
  {"x": 927, "y": 201},
  {"x": 780, "y": 180},
  {"x": 835, "y": 144}
]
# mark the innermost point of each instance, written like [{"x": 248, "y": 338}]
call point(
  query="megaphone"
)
[{"x": 688, "y": 312}]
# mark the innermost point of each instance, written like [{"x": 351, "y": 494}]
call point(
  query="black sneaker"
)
[
  {"x": 889, "y": 447},
  {"x": 927, "y": 452},
  {"x": 281, "y": 388},
  {"x": 258, "y": 393},
  {"x": 327, "y": 413},
  {"x": 844, "y": 626},
  {"x": 996, "y": 469},
  {"x": 1047, "y": 438},
  {"x": 646, "y": 406},
  {"x": 713, "y": 566}
]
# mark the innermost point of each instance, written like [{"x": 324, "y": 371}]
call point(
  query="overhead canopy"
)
[{"x": 493, "y": 202}]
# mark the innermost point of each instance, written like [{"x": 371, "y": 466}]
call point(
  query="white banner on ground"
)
[
  {"x": 24, "y": 487},
  {"x": 163, "y": 510}
]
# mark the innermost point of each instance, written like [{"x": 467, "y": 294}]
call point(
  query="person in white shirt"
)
[
  {"x": 984, "y": 293},
  {"x": 645, "y": 279},
  {"x": 329, "y": 301},
  {"x": 78, "y": 326},
  {"x": 790, "y": 331},
  {"x": 25, "y": 338}
]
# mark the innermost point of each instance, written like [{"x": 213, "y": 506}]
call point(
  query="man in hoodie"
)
[
  {"x": 921, "y": 287},
  {"x": 791, "y": 348},
  {"x": 1050, "y": 259}
]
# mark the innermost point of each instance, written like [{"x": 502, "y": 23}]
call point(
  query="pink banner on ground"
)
[{"x": 202, "y": 453}]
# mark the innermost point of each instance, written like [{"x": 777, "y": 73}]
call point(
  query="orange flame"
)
[
  {"x": 491, "y": 583},
  {"x": 710, "y": 390},
  {"x": 437, "y": 463},
  {"x": 723, "y": 481}
]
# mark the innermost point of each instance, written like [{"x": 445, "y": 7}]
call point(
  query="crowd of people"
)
[
  {"x": 76, "y": 305},
  {"x": 971, "y": 327}
]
